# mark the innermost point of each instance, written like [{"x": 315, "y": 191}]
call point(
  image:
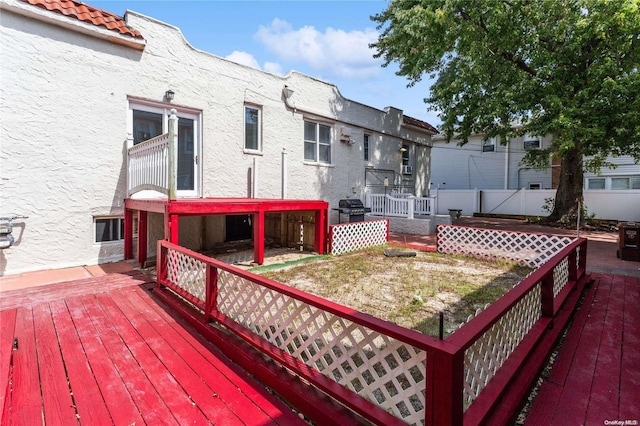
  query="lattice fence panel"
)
[
  {"x": 383, "y": 370},
  {"x": 489, "y": 352},
  {"x": 560, "y": 276},
  {"x": 526, "y": 249},
  {"x": 358, "y": 235},
  {"x": 187, "y": 273}
]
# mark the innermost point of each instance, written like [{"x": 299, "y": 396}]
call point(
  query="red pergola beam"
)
[{"x": 257, "y": 207}]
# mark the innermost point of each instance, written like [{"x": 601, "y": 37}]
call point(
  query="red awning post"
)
[{"x": 258, "y": 237}]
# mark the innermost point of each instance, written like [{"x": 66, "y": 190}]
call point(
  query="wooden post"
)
[
  {"x": 546, "y": 295},
  {"x": 173, "y": 153},
  {"x": 211, "y": 295},
  {"x": 258, "y": 237},
  {"x": 142, "y": 237},
  {"x": 128, "y": 233},
  {"x": 320, "y": 231},
  {"x": 445, "y": 387}
]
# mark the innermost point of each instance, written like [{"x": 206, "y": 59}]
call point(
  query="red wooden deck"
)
[
  {"x": 102, "y": 350},
  {"x": 596, "y": 375}
]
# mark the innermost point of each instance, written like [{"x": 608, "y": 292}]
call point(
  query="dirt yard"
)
[{"x": 409, "y": 291}]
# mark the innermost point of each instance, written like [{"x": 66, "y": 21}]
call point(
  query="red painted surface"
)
[
  {"x": 596, "y": 375},
  {"x": 124, "y": 360},
  {"x": 174, "y": 209}
]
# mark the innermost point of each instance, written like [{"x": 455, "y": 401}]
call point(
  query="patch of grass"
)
[{"x": 410, "y": 291}]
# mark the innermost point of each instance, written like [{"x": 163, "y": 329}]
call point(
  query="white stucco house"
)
[{"x": 81, "y": 86}]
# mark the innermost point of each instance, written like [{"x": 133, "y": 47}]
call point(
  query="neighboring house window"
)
[
  {"x": 317, "y": 142},
  {"x": 531, "y": 142},
  {"x": 595, "y": 183},
  {"x": 620, "y": 183},
  {"x": 252, "y": 128},
  {"x": 489, "y": 145},
  {"x": 535, "y": 186},
  {"x": 109, "y": 229},
  {"x": 366, "y": 147}
]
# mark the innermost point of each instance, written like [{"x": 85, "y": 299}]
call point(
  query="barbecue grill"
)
[{"x": 352, "y": 207}]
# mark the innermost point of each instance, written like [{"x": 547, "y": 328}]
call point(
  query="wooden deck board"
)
[
  {"x": 596, "y": 375},
  {"x": 257, "y": 405},
  {"x": 630, "y": 362},
  {"x": 603, "y": 400},
  {"x": 114, "y": 356},
  {"x": 7, "y": 329},
  {"x": 56, "y": 398},
  {"x": 90, "y": 402}
]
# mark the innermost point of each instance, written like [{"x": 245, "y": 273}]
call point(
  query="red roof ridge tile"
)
[{"x": 87, "y": 13}]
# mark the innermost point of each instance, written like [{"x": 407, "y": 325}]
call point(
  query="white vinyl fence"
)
[{"x": 622, "y": 205}]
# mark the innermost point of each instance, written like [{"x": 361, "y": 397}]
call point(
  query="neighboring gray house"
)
[
  {"x": 80, "y": 86},
  {"x": 486, "y": 164}
]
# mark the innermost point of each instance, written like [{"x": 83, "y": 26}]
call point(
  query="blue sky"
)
[{"x": 324, "y": 39}]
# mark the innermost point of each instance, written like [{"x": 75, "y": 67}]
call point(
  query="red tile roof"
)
[
  {"x": 418, "y": 123},
  {"x": 86, "y": 13}
]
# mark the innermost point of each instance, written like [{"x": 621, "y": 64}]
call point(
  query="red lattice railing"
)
[{"x": 383, "y": 372}]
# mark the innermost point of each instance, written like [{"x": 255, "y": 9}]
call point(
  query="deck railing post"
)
[
  {"x": 173, "y": 153},
  {"x": 411, "y": 202},
  {"x": 546, "y": 295},
  {"x": 211, "y": 294},
  {"x": 573, "y": 264},
  {"x": 445, "y": 387},
  {"x": 161, "y": 263}
]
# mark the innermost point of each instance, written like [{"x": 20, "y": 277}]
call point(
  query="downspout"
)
[
  {"x": 254, "y": 192},
  {"x": 173, "y": 144},
  {"x": 506, "y": 165},
  {"x": 285, "y": 172}
]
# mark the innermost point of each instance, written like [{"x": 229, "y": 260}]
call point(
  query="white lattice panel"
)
[
  {"x": 383, "y": 370},
  {"x": 493, "y": 348},
  {"x": 560, "y": 276},
  {"x": 526, "y": 249},
  {"x": 358, "y": 235},
  {"x": 187, "y": 273}
]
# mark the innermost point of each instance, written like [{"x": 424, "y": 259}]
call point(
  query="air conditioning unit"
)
[{"x": 407, "y": 170}]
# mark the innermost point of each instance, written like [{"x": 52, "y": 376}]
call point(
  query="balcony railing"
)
[
  {"x": 384, "y": 372},
  {"x": 151, "y": 164},
  {"x": 400, "y": 205}
]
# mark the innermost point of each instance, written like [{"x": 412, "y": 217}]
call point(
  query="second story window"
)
[
  {"x": 489, "y": 145},
  {"x": 366, "y": 147},
  {"x": 252, "y": 131},
  {"x": 531, "y": 142},
  {"x": 317, "y": 142}
]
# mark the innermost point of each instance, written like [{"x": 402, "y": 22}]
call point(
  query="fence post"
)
[
  {"x": 173, "y": 153},
  {"x": 546, "y": 295},
  {"x": 411, "y": 205},
  {"x": 432, "y": 206},
  {"x": 161, "y": 263},
  {"x": 445, "y": 387},
  {"x": 211, "y": 294}
]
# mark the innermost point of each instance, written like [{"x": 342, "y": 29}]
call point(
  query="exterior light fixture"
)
[
  {"x": 287, "y": 92},
  {"x": 169, "y": 95},
  {"x": 403, "y": 149}
]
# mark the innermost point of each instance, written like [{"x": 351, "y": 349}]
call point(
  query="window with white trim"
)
[
  {"x": 252, "y": 128},
  {"x": 531, "y": 142},
  {"x": 108, "y": 229},
  {"x": 489, "y": 145},
  {"x": 595, "y": 183},
  {"x": 317, "y": 142}
]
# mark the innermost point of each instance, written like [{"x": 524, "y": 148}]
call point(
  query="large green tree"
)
[{"x": 565, "y": 68}]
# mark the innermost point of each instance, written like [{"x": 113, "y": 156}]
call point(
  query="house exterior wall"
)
[
  {"x": 468, "y": 167},
  {"x": 65, "y": 123}
]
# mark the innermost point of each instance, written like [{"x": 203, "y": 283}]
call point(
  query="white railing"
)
[
  {"x": 400, "y": 205},
  {"x": 148, "y": 165}
]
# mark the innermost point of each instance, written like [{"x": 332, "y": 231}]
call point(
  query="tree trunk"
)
[{"x": 569, "y": 194}]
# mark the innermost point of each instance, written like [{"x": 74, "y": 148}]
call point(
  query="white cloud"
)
[
  {"x": 243, "y": 58},
  {"x": 273, "y": 68},
  {"x": 332, "y": 52}
]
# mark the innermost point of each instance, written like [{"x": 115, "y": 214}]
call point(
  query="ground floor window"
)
[{"x": 108, "y": 229}]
